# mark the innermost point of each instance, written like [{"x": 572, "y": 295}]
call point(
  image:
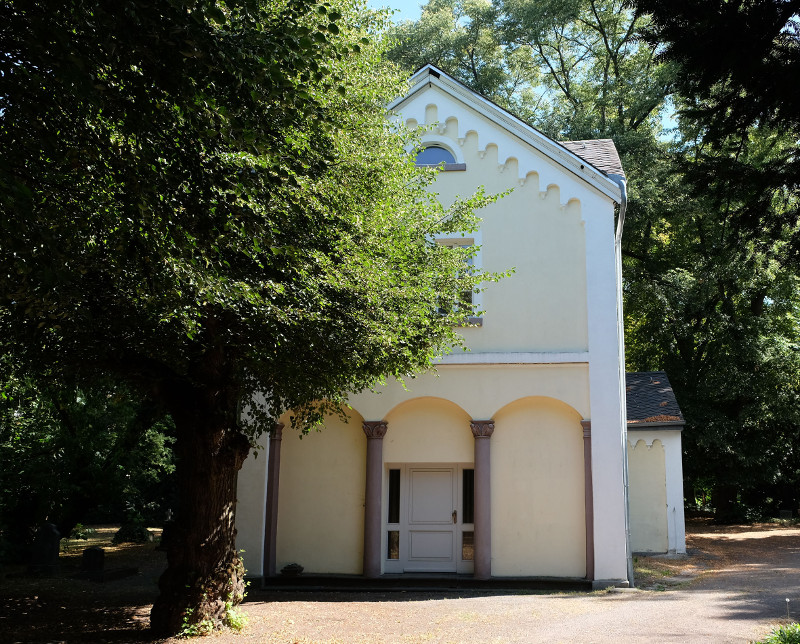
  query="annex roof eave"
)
[
  {"x": 664, "y": 424},
  {"x": 557, "y": 153}
]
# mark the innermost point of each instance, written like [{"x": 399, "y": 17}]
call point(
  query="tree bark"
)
[{"x": 205, "y": 575}]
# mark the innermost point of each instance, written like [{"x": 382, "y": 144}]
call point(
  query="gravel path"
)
[{"x": 733, "y": 589}]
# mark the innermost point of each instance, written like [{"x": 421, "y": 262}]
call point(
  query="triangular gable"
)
[{"x": 563, "y": 157}]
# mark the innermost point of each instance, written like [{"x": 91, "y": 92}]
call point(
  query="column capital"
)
[
  {"x": 277, "y": 432},
  {"x": 375, "y": 428},
  {"x": 587, "y": 427},
  {"x": 482, "y": 428}
]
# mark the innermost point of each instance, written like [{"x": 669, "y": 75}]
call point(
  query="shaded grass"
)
[{"x": 68, "y": 609}]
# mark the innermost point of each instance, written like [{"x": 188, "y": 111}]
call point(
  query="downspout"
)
[{"x": 623, "y": 205}]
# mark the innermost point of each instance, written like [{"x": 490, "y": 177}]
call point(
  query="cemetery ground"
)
[{"x": 731, "y": 587}]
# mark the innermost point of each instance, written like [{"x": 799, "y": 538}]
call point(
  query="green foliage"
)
[
  {"x": 713, "y": 285},
  {"x": 736, "y": 59},
  {"x": 716, "y": 306},
  {"x": 206, "y": 201},
  {"x": 132, "y": 532},
  {"x": 79, "y": 533},
  {"x": 193, "y": 628},
  {"x": 788, "y": 634},
  {"x": 575, "y": 68},
  {"x": 82, "y": 532},
  {"x": 462, "y": 38},
  {"x": 235, "y": 618},
  {"x": 186, "y": 196},
  {"x": 69, "y": 453}
]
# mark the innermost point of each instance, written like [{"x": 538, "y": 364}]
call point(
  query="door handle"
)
[{"x": 455, "y": 516}]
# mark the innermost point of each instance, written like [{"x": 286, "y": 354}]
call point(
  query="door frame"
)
[{"x": 401, "y": 564}]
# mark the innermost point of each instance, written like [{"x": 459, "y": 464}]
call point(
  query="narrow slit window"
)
[
  {"x": 394, "y": 496},
  {"x": 468, "y": 496}
]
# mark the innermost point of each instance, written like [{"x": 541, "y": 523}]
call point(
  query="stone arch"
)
[
  {"x": 538, "y": 494},
  {"x": 322, "y": 484},
  {"x": 428, "y": 429},
  {"x": 548, "y": 400}
]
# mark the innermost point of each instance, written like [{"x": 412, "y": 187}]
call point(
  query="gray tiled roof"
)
[
  {"x": 650, "y": 399},
  {"x": 601, "y": 153}
]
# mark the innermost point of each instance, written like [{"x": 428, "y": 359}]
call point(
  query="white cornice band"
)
[{"x": 579, "y": 357}]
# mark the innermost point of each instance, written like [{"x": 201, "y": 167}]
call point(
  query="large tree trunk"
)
[{"x": 205, "y": 576}]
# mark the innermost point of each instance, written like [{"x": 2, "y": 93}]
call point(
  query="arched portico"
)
[
  {"x": 541, "y": 510},
  {"x": 518, "y": 486},
  {"x": 434, "y": 508}
]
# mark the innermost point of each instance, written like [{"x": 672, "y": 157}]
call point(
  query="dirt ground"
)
[{"x": 731, "y": 587}]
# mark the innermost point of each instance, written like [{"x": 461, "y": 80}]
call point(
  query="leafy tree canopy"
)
[
  {"x": 67, "y": 452},
  {"x": 737, "y": 62},
  {"x": 718, "y": 310},
  {"x": 574, "y": 68},
  {"x": 206, "y": 200},
  {"x": 740, "y": 56},
  {"x": 185, "y": 192}
]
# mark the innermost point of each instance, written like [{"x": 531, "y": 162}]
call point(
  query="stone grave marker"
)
[{"x": 44, "y": 554}]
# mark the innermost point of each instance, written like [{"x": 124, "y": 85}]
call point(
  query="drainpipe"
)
[{"x": 623, "y": 205}]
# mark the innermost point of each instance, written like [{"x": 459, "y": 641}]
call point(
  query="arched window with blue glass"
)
[{"x": 438, "y": 156}]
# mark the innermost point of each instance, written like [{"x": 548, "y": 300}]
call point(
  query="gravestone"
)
[
  {"x": 44, "y": 554},
  {"x": 93, "y": 561}
]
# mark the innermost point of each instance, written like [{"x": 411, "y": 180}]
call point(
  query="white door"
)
[
  {"x": 428, "y": 519},
  {"x": 432, "y": 519}
]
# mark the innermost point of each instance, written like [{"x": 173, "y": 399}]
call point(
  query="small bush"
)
[
  {"x": 235, "y": 618},
  {"x": 132, "y": 533},
  {"x": 81, "y": 531},
  {"x": 789, "y": 634}
]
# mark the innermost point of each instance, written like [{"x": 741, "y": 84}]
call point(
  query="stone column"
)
[
  {"x": 482, "y": 430},
  {"x": 588, "y": 497},
  {"x": 271, "y": 515},
  {"x": 375, "y": 431}
]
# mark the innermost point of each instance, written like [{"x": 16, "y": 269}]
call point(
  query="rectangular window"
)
[
  {"x": 468, "y": 496},
  {"x": 465, "y": 299},
  {"x": 394, "y": 496},
  {"x": 467, "y": 546},
  {"x": 393, "y": 549}
]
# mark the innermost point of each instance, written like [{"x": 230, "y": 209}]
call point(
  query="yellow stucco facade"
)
[
  {"x": 321, "y": 508},
  {"x": 648, "y": 496},
  {"x": 544, "y": 358}
]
